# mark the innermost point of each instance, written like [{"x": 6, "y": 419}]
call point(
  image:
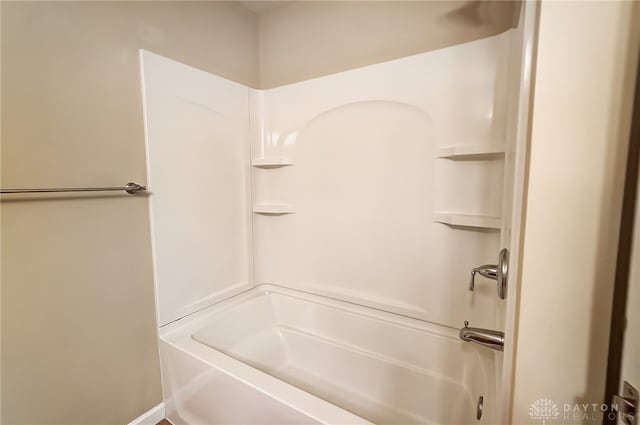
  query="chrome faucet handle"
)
[
  {"x": 490, "y": 271},
  {"x": 498, "y": 272}
]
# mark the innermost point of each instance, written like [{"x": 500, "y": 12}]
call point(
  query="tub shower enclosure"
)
[{"x": 313, "y": 243}]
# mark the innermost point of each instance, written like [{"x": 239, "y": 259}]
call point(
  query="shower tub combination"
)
[
  {"x": 312, "y": 243},
  {"x": 278, "y": 356}
]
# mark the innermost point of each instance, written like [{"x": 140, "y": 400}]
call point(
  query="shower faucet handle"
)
[
  {"x": 490, "y": 271},
  {"x": 498, "y": 272}
]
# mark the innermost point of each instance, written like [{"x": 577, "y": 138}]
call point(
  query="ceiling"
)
[{"x": 265, "y": 6}]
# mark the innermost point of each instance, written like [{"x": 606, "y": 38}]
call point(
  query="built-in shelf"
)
[
  {"x": 275, "y": 162},
  {"x": 471, "y": 151},
  {"x": 468, "y": 220},
  {"x": 273, "y": 209}
]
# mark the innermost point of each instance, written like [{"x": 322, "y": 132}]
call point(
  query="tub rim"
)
[{"x": 197, "y": 320}]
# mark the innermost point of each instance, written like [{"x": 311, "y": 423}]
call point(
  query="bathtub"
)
[{"x": 273, "y": 355}]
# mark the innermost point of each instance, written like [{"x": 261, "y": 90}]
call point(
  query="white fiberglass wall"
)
[
  {"x": 382, "y": 157},
  {"x": 381, "y": 185},
  {"x": 198, "y": 166}
]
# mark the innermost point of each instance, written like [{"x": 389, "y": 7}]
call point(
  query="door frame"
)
[
  {"x": 524, "y": 44},
  {"x": 623, "y": 261}
]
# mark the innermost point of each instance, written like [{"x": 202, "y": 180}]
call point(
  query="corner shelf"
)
[
  {"x": 468, "y": 220},
  {"x": 274, "y": 162},
  {"x": 273, "y": 209},
  {"x": 472, "y": 151}
]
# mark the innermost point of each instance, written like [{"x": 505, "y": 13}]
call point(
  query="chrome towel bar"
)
[{"x": 130, "y": 188}]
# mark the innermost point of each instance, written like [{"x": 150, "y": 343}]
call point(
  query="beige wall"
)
[
  {"x": 304, "y": 40},
  {"x": 582, "y": 105},
  {"x": 78, "y": 325}
]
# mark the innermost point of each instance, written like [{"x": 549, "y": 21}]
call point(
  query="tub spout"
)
[{"x": 486, "y": 337}]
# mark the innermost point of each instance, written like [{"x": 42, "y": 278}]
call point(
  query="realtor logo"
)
[{"x": 544, "y": 408}]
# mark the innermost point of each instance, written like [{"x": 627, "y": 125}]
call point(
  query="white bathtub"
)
[{"x": 278, "y": 356}]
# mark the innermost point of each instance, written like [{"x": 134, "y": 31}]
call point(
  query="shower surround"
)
[{"x": 313, "y": 242}]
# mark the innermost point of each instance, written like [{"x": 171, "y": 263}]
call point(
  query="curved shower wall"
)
[{"x": 383, "y": 185}]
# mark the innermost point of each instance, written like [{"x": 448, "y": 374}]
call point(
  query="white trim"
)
[
  {"x": 150, "y": 417},
  {"x": 527, "y": 40}
]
